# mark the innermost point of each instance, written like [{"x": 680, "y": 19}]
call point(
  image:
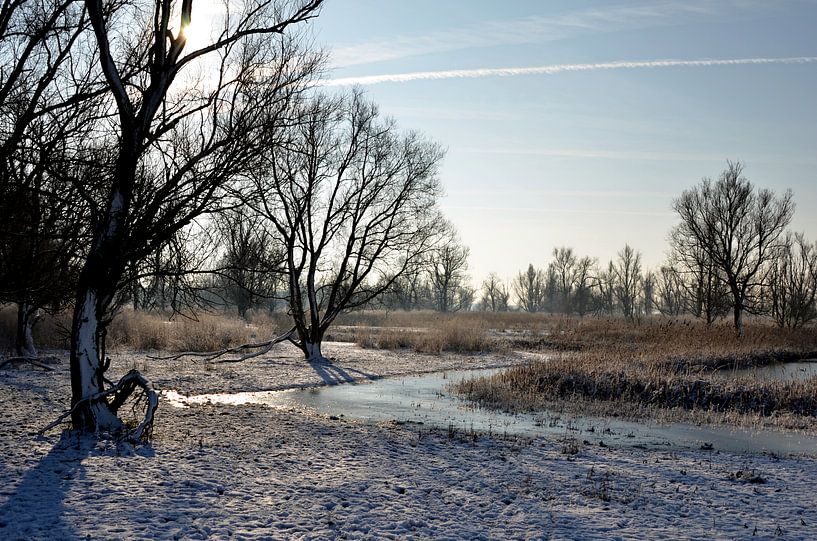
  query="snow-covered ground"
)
[{"x": 251, "y": 472}]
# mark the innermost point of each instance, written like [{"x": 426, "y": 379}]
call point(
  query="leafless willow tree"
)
[
  {"x": 706, "y": 293},
  {"x": 648, "y": 291},
  {"x": 353, "y": 202},
  {"x": 671, "y": 292},
  {"x": 563, "y": 269},
  {"x": 447, "y": 266},
  {"x": 408, "y": 291},
  {"x": 187, "y": 126},
  {"x": 529, "y": 288},
  {"x": 605, "y": 284},
  {"x": 791, "y": 290},
  {"x": 173, "y": 279},
  {"x": 627, "y": 279},
  {"x": 584, "y": 277},
  {"x": 740, "y": 229},
  {"x": 252, "y": 264},
  {"x": 495, "y": 294}
]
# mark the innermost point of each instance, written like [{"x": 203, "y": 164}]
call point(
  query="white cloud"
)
[
  {"x": 553, "y": 69},
  {"x": 534, "y": 29}
]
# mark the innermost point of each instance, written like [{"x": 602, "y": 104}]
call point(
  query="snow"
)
[{"x": 251, "y": 472}]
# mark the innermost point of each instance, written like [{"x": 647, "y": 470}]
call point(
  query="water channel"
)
[{"x": 423, "y": 400}]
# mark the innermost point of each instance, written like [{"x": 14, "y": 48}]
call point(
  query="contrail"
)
[{"x": 558, "y": 68}]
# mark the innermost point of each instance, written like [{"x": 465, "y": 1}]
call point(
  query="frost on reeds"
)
[{"x": 658, "y": 364}]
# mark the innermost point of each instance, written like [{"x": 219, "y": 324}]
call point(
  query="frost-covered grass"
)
[{"x": 250, "y": 472}]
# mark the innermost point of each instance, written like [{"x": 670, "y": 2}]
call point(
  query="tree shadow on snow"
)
[
  {"x": 332, "y": 374},
  {"x": 36, "y": 508}
]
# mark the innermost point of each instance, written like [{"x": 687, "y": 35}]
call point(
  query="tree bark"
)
[
  {"x": 738, "y": 311},
  {"x": 312, "y": 351},
  {"x": 101, "y": 273},
  {"x": 87, "y": 367},
  {"x": 27, "y": 316}
]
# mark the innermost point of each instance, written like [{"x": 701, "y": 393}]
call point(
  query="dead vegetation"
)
[
  {"x": 151, "y": 331},
  {"x": 657, "y": 364}
]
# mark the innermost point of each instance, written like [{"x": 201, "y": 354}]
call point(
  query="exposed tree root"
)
[
  {"x": 213, "y": 355},
  {"x": 129, "y": 384},
  {"x": 34, "y": 361}
]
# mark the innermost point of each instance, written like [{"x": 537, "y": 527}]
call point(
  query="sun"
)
[
  {"x": 197, "y": 34},
  {"x": 206, "y": 15}
]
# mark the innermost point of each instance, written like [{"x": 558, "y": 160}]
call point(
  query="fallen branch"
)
[
  {"x": 35, "y": 361},
  {"x": 123, "y": 389},
  {"x": 213, "y": 355}
]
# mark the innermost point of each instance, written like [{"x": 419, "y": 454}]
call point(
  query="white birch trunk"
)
[{"x": 87, "y": 369}]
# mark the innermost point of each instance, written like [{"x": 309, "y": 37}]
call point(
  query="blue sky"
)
[{"x": 590, "y": 158}]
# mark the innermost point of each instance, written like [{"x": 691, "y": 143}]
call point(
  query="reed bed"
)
[
  {"x": 452, "y": 334},
  {"x": 659, "y": 364},
  {"x": 138, "y": 330}
]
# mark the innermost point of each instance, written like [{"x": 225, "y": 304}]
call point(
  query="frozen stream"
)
[{"x": 423, "y": 400}]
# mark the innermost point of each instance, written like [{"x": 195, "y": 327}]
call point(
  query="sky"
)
[{"x": 576, "y": 123}]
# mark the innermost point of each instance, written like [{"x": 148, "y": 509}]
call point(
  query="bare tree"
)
[
  {"x": 671, "y": 292},
  {"x": 529, "y": 287},
  {"x": 48, "y": 96},
  {"x": 791, "y": 290},
  {"x": 563, "y": 271},
  {"x": 495, "y": 294},
  {"x": 353, "y": 200},
  {"x": 606, "y": 283},
  {"x": 40, "y": 248},
  {"x": 740, "y": 229},
  {"x": 627, "y": 278},
  {"x": 707, "y": 293},
  {"x": 584, "y": 277},
  {"x": 648, "y": 287},
  {"x": 187, "y": 126},
  {"x": 447, "y": 265},
  {"x": 408, "y": 291},
  {"x": 252, "y": 267},
  {"x": 172, "y": 279}
]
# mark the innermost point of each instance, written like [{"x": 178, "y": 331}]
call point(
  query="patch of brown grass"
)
[
  {"x": 657, "y": 364},
  {"x": 207, "y": 332},
  {"x": 451, "y": 333}
]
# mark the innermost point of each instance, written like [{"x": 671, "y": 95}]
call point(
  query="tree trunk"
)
[
  {"x": 27, "y": 316},
  {"x": 87, "y": 367},
  {"x": 312, "y": 351},
  {"x": 103, "y": 269},
  {"x": 310, "y": 343},
  {"x": 739, "y": 319}
]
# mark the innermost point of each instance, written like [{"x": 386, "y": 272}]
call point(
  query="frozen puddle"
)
[
  {"x": 423, "y": 400},
  {"x": 799, "y": 370}
]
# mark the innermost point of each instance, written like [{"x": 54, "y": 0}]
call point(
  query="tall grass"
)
[
  {"x": 658, "y": 363},
  {"x": 451, "y": 333},
  {"x": 151, "y": 331}
]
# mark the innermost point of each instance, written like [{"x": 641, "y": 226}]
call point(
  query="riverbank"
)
[
  {"x": 254, "y": 472},
  {"x": 665, "y": 370}
]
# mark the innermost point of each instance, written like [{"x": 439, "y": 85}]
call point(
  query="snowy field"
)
[{"x": 252, "y": 472}]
